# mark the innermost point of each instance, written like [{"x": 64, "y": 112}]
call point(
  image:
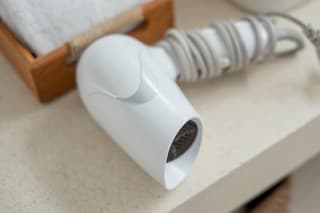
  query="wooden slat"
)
[
  {"x": 18, "y": 56},
  {"x": 158, "y": 18}
]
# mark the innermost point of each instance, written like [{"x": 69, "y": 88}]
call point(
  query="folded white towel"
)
[{"x": 44, "y": 25}]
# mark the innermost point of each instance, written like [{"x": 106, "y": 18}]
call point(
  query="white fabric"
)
[{"x": 44, "y": 25}]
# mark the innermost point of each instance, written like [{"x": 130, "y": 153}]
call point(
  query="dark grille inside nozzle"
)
[{"x": 183, "y": 140}]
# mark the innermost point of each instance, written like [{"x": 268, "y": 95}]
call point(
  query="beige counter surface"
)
[{"x": 259, "y": 125}]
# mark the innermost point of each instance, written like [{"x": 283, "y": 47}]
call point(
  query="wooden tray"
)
[{"x": 49, "y": 76}]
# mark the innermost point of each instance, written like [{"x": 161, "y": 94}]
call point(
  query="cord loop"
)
[{"x": 294, "y": 37}]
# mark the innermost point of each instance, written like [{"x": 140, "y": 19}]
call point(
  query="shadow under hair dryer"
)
[{"x": 130, "y": 88}]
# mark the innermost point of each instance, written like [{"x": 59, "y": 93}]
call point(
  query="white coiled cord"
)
[
  {"x": 197, "y": 58},
  {"x": 312, "y": 33}
]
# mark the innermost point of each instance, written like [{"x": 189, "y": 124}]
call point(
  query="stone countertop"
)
[{"x": 259, "y": 125}]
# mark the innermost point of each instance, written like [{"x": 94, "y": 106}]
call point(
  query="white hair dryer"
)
[
  {"x": 130, "y": 89},
  {"x": 123, "y": 86}
]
